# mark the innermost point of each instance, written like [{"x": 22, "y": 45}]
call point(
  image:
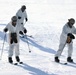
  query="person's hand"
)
[
  {"x": 19, "y": 17},
  {"x": 71, "y": 35},
  {"x": 5, "y": 30},
  {"x": 68, "y": 39},
  {"x": 25, "y": 31},
  {"x": 26, "y": 19}
]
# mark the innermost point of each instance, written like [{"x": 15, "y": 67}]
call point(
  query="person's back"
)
[
  {"x": 21, "y": 16},
  {"x": 22, "y": 19}
]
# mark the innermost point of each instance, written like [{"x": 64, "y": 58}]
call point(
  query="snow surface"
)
[{"x": 46, "y": 19}]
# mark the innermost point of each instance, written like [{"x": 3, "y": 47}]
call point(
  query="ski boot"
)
[
  {"x": 57, "y": 60},
  {"x": 18, "y": 60},
  {"x": 69, "y": 59},
  {"x": 10, "y": 60}
]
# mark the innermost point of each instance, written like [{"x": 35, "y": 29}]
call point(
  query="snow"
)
[{"x": 46, "y": 19}]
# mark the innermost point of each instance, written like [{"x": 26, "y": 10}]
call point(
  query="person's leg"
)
[
  {"x": 70, "y": 51},
  {"x": 21, "y": 29},
  {"x": 58, "y": 54},
  {"x": 61, "y": 47},
  {"x": 10, "y": 53},
  {"x": 17, "y": 52}
]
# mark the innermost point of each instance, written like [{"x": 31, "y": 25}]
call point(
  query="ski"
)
[
  {"x": 63, "y": 63},
  {"x": 23, "y": 36},
  {"x": 16, "y": 63},
  {"x": 71, "y": 62},
  {"x": 20, "y": 62},
  {"x": 29, "y": 36},
  {"x": 66, "y": 63}
]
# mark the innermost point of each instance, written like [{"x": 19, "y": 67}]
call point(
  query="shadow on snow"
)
[
  {"x": 33, "y": 70},
  {"x": 31, "y": 42},
  {"x": 40, "y": 47}
]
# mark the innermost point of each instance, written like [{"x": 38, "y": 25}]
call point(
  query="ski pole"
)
[
  {"x": 3, "y": 46},
  {"x": 30, "y": 36},
  {"x": 28, "y": 44}
]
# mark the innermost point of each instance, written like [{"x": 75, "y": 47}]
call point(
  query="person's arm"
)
[
  {"x": 65, "y": 30},
  {"x": 26, "y": 19},
  {"x": 70, "y": 37},
  {"x": 6, "y": 29},
  {"x": 18, "y": 14},
  {"x": 74, "y": 30}
]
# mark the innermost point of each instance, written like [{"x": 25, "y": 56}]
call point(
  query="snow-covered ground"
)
[{"x": 46, "y": 19}]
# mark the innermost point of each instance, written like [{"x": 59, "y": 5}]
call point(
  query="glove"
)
[
  {"x": 68, "y": 39},
  {"x": 19, "y": 17},
  {"x": 71, "y": 35},
  {"x": 5, "y": 30},
  {"x": 25, "y": 31},
  {"x": 26, "y": 19},
  {"x": 21, "y": 32}
]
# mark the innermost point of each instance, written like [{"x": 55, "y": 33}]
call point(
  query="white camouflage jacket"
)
[
  {"x": 66, "y": 29},
  {"x": 12, "y": 29},
  {"x": 21, "y": 14}
]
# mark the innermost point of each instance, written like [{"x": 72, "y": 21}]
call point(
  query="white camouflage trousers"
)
[
  {"x": 61, "y": 47},
  {"x": 13, "y": 48}
]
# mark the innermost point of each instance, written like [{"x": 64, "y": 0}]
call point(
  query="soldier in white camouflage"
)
[
  {"x": 13, "y": 37},
  {"x": 66, "y": 38}
]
